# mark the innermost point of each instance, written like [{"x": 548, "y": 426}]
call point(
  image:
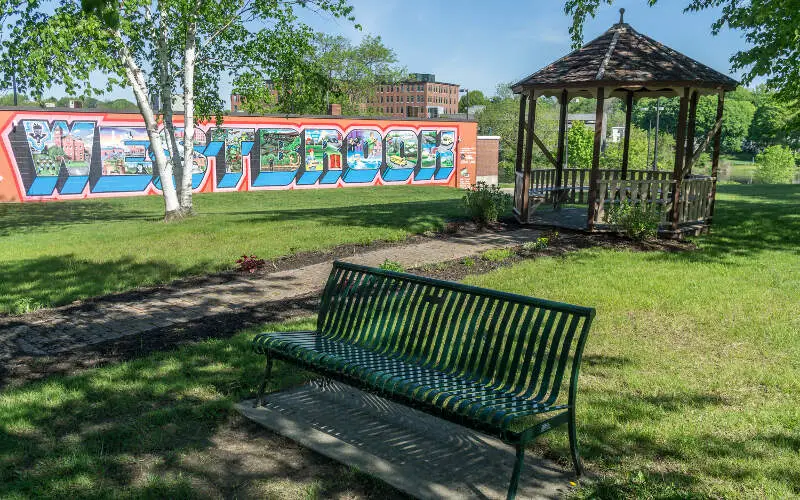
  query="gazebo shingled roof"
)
[{"x": 624, "y": 57}]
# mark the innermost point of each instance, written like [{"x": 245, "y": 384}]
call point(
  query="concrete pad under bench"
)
[{"x": 419, "y": 454}]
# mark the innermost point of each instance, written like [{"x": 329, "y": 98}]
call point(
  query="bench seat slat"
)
[{"x": 396, "y": 375}]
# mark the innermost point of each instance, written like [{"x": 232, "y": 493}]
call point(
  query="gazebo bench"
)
[{"x": 488, "y": 360}]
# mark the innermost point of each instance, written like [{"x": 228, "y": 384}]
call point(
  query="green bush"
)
[
  {"x": 635, "y": 220},
  {"x": 776, "y": 165},
  {"x": 485, "y": 203},
  {"x": 534, "y": 246},
  {"x": 391, "y": 265}
]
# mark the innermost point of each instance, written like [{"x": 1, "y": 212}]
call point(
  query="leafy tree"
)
[
  {"x": 580, "y": 139},
  {"x": 471, "y": 98},
  {"x": 776, "y": 165},
  {"x": 737, "y": 118},
  {"x": 769, "y": 27},
  {"x": 353, "y": 71},
  {"x": 159, "y": 48},
  {"x": 775, "y": 121},
  {"x": 638, "y": 158}
]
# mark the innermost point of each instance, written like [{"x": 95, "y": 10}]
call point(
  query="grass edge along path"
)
[{"x": 54, "y": 253}]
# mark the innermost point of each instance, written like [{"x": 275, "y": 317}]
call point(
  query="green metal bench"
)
[{"x": 488, "y": 360}]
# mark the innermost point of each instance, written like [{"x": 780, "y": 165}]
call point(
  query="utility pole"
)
[{"x": 655, "y": 139}]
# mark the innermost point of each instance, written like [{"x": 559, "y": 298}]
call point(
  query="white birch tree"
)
[{"x": 160, "y": 49}]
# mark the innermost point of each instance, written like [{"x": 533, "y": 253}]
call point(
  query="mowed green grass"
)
[
  {"x": 54, "y": 253},
  {"x": 690, "y": 385}
]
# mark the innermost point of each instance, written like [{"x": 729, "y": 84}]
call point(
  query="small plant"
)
[
  {"x": 486, "y": 203},
  {"x": 540, "y": 244},
  {"x": 391, "y": 265},
  {"x": 497, "y": 254},
  {"x": 25, "y": 305},
  {"x": 249, "y": 264},
  {"x": 468, "y": 262},
  {"x": 635, "y": 220}
]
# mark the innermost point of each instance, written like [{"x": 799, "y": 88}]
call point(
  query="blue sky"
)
[{"x": 478, "y": 43}]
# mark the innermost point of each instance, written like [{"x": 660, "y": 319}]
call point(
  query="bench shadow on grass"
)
[{"x": 156, "y": 428}]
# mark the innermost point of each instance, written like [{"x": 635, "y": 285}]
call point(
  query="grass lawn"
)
[
  {"x": 689, "y": 386},
  {"x": 54, "y": 253},
  {"x": 162, "y": 427},
  {"x": 691, "y": 377}
]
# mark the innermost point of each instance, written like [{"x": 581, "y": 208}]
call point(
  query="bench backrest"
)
[{"x": 518, "y": 344}]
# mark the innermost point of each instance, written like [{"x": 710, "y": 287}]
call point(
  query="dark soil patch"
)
[{"x": 560, "y": 244}]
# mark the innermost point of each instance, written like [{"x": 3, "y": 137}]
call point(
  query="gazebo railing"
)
[
  {"x": 694, "y": 202},
  {"x": 576, "y": 180}
]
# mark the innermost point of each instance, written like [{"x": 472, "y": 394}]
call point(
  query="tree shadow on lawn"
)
[
  {"x": 413, "y": 216},
  {"x": 760, "y": 218},
  {"x": 162, "y": 426},
  {"x": 617, "y": 431},
  {"x": 30, "y": 217},
  {"x": 55, "y": 280}
]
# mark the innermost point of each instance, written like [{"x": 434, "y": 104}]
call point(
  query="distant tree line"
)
[
  {"x": 62, "y": 102},
  {"x": 754, "y": 120}
]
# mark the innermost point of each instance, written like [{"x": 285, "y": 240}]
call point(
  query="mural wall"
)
[{"x": 47, "y": 155}]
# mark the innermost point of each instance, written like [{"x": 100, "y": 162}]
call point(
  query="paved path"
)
[{"x": 69, "y": 328}]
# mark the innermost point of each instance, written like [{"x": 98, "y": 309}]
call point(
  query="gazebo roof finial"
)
[{"x": 622, "y": 16}]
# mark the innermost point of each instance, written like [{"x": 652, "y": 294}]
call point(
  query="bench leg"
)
[
  {"x": 573, "y": 443},
  {"x": 263, "y": 386},
  {"x": 512, "y": 488}
]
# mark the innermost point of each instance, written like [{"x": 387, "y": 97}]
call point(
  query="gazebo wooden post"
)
[
  {"x": 526, "y": 175},
  {"x": 680, "y": 150},
  {"x": 562, "y": 139},
  {"x": 518, "y": 167},
  {"x": 626, "y": 145},
  {"x": 715, "y": 156},
  {"x": 594, "y": 178},
  {"x": 687, "y": 160}
]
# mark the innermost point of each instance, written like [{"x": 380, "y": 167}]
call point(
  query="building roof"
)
[{"x": 624, "y": 57}]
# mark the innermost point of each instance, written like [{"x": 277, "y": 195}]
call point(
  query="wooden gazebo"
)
[{"x": 626, "y": 64}]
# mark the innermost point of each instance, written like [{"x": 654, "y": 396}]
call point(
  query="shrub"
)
[
  {"x": 497, "y": 254},
  {"x": 485, "y": 203},
  {"x": 249, "y": 264},
  {"x": 775, "y": 165},
  {"x": 635, "y": 220},
  {"x": 391, "y": 265}
]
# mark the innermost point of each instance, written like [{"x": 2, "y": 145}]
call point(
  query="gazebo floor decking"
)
[{"x": 564, "y": 218}]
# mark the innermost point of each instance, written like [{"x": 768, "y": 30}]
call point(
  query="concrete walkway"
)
[
  {"x": 424, "y": 456},
  {"x": 69, "y": 328}
]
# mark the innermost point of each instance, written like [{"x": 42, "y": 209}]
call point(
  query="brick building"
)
[{"x": 421, "y": 96}]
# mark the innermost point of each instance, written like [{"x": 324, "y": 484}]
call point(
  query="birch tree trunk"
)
[
  {"x": 166, "y": 79},
  {"x": 185, "y": 179},
  {"x": 164, "y": 168}
]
